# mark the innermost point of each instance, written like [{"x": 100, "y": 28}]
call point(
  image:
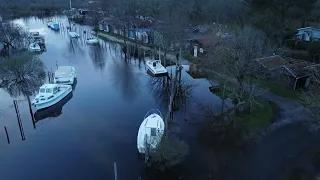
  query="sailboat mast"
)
[{"x": 70, "y": 5}]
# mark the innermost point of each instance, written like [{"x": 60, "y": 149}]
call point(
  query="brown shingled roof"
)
[{"x": 272, "y": 62}]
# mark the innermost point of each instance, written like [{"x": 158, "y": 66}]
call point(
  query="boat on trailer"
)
[
  {"x": 50, "y": 94},
  {"x": 156, "y": 68},
  {"x": 150, "y": 131}
]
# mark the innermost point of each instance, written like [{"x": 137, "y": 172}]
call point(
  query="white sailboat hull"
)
[
  {"x": 65, "y": 77},
  {"x": 148, "y": 139},
  {"x": 45, "y": 104},
  {"x": 92, "y": 41}
]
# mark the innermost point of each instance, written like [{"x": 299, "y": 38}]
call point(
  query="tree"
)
[
  {"x": 311, "y": 99},
  {"x": 235, "y": 57},
  {"x": 22, "y": 74},
  {"x": 170, "y": 152},
  {"x": 282, "y": 7},
  {"x": 12, "y": 36}
]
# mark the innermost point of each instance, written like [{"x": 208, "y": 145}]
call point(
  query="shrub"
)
[
  {"x": 302, "y": 45},
  {"x": 170, "y": 152},
  {"x": 314, "y": 48},
  {"x": 290, "y": 43}
]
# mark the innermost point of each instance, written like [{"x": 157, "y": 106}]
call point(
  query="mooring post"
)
[
  {"x": 115, "y": 171},
  {"x": 5, "y": 129}
]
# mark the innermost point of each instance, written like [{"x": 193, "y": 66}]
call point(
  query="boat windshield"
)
[
  {"x": 153, "y": 131},
  {"x": 42, "y": 90},
  {"x": 49, "y": 90}
]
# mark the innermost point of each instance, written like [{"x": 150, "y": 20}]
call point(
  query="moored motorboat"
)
[
  {"x": 156, "y": 68},
  {"x": 50, "y": 94},
  {"x": 150, "y": 131},
  {"x": 34, "y": 47},
  {"x": 74, "y": 34},
  {"x": 65, "y": 75},
  {"x": 92, "y": 40}
]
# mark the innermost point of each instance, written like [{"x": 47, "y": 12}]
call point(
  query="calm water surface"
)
[{"x": 99, "y": 124}]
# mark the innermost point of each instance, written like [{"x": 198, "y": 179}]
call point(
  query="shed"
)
[
  {"x": 292, "y": 74},
  {"x": 308, "y": 34},
  {"x": 200, "y": 46}
]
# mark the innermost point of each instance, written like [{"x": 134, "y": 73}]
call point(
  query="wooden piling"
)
[
  {"x": 5, "y": 129},
  {"x": 115, "y": 171}
]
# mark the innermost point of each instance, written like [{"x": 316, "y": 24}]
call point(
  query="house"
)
[
  {"x": 293, "y": 74},
  {"x": 308, "y": 34},
  {"x": 104, "y": 25},
  {"x": 140, "y": 30},
  {"x": 199, "y": 46}
]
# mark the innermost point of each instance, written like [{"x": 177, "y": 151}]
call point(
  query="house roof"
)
[
  {"x": 142, "y": 23},
  {"x": 272, "y": 62},
  {"x": 209, "y": 40},
  {"x": 309, "y": 28}
]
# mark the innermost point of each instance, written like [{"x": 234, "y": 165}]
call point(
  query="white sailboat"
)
[
  {"x": 50, "y": 94},
  {"x": 65, "y": 75},
  {"x": 156, "y": 68},
  {"x": 150, "y": 131}
]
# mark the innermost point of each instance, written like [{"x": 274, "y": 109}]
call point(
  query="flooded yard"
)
[{"x": 98, "y": 124}]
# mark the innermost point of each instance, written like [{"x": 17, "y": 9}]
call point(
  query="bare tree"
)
[
  {"x": 311, "y": 100},
  {"x": 234, "y": 58},
  {"x": 12, "y": 37}
]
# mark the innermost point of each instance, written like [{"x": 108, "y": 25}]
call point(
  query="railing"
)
[{"x": 153, "y": 111}]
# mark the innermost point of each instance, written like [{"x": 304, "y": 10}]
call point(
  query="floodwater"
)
[
  {"x": 83, "y": 136},
  {"x": 88, "y": 131}
]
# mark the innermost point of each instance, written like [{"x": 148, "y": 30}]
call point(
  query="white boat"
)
[
  {"x": 150, "y": 131},
  {"x": 74, "y": 34},
  {"x": 49, "y": 24},
  {"x": 34, "y": 34},
  {"x": 50, "y": 94},
  {"x": 156, "y": 68},
  {"x": 65, "y": 75},
  {"x": 34, "y": 47},
  {"x": 92, "y": 40}
]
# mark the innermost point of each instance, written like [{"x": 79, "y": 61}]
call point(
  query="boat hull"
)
[
  {"x": 47, "y": 104},
  {"x": 159, "y": 71},
  {"x": 144, "y": 133}
]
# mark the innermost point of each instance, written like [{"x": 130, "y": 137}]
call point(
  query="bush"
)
[
  {"x": 302, "y": 45},
  {"x": 290, "y": 43},
  {"x": 170, "y": 152},
  {"x": 314, "y": 49}
]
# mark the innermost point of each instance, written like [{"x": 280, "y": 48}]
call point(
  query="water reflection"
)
[
  {"x": 74, "y": 47},
  {"x": 53, "y": 111},
  {"x": 97, "y": 56}
]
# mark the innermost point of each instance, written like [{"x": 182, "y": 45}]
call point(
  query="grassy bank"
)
[{"x": 259, "y": 118}]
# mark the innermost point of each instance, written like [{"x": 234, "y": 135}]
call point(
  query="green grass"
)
[
  {"x": 190, "y": 58},
  {"x": 278, "y": 89},
  {"x": 259, "y": 118}
]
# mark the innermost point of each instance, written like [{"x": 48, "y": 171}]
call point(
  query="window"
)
[
  {"x": 49, "y": 91},
  {"x": 42, "y": 90},
  {"x": 153, "y": 132},
  {"x": 55, "y": 90}
]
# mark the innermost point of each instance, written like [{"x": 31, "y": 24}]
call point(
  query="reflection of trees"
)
[
  {"x": 161, "y": 89},
  {"x": 74, "y": 46},
  {"x": 125, "y": 78},
  {"x": 22, "y": 74},
  {"x": 97, "y": 56}
]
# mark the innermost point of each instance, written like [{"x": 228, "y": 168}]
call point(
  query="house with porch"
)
[{"x": 291, "y": 73}]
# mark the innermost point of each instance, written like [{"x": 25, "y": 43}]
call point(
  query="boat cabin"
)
[
  {"x": 153, "y": 126},
  {"x": 49, "y": 89}
]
